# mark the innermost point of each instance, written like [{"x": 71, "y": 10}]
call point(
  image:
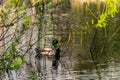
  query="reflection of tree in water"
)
[
  {"x": 98, "y": 50},
  {"x": 76, "y": 27}
]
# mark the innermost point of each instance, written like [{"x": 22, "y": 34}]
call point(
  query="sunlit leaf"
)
[{"x": 16, "y": 63}]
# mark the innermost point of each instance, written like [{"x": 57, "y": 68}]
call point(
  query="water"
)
[
  {"x": 76, "y": 32},
  {"x": 66, "y": 72},
  {"x": 74, "y": 24}
]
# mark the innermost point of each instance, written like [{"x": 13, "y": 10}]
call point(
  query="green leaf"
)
[{"x": 16, "y": 64}]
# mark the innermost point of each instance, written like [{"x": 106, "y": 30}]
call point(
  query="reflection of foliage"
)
[
  {"x": 33, "y": 75},
  {"x": 84, "y": 66},
  {"x": 105, "y": 45}
]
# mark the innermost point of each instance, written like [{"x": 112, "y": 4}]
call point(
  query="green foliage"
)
[
  {"x": 118, "y": 1},
  {"x": 15, "y": 12},
  {"x": 14, "y": 3},
  {"x": 16, "y": 64},
  {"x": 111, "y": 10},
  {"x": 27, "y": 20},
  {"x": 102, "y": 22},
  {"x": 11, "y": 60},
  {"x": 112, "y": 7}
]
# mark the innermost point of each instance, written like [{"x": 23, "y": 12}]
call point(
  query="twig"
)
[{"x": 113, "y": 34}]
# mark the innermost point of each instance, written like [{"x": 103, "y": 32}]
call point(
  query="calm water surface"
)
[{"x": 66, "y": 71}]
